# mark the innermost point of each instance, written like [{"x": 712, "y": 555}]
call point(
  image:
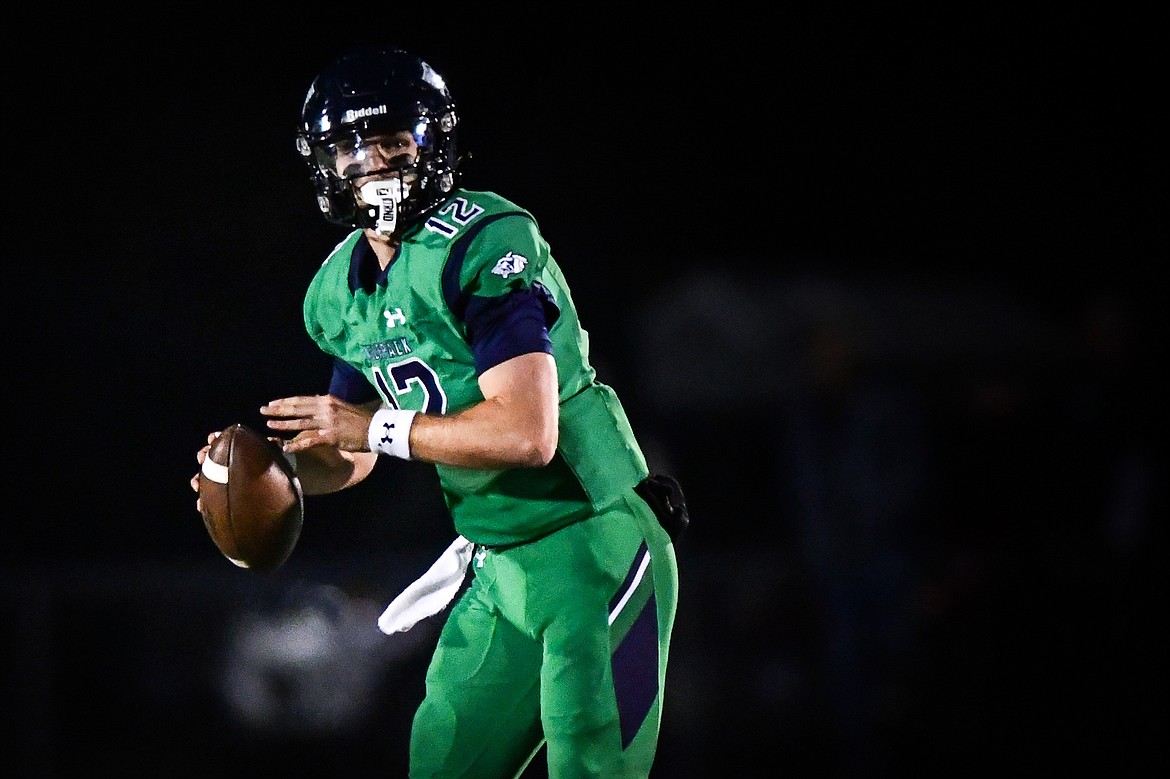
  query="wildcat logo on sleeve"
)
[{"x": 510, "y": 263}]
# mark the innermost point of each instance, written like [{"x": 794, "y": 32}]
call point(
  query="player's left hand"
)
[
  {"x": 200, "y": 456},
  {"x": 320, "y": 420}
]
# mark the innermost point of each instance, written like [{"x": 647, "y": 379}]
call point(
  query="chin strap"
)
[{"x": 383, "y": 199}]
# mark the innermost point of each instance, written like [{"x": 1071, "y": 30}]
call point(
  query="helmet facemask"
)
[{"x": 403, "y": 188}]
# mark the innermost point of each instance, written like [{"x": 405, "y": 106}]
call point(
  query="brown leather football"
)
[{"x": 251, "y": 498}]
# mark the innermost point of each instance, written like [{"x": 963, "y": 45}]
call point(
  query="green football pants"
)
[{"x": 562, "y": 641}]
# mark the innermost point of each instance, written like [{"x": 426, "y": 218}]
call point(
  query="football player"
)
[{"x": 456, "y": 342}]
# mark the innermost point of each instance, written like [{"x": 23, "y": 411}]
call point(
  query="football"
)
[{"x": 251, "y": 499}]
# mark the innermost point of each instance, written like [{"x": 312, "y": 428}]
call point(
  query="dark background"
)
[{"x": 881, "y": 287}]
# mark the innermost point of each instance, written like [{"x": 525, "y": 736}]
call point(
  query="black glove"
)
[{"x": 665, "y": 496}]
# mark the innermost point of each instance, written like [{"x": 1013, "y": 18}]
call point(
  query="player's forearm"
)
[
  {"x": 324, "y": 469},
  {"x": 489, "y": 435}
]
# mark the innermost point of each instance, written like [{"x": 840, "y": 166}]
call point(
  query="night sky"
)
[{"x": 170, "y": 229}]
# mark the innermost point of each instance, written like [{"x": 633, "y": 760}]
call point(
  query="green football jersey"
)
[{"x": 408, "y": 338}]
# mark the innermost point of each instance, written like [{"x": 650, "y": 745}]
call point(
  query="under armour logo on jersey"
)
[
  {"x": 510, "y": 263},
  {"x": 394, "y": 317}
]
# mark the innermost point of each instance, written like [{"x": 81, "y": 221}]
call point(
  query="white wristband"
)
[{"x": 389, "y": 432}]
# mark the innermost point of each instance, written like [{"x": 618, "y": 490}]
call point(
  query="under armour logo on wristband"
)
[{"x": 389, "y": 432}]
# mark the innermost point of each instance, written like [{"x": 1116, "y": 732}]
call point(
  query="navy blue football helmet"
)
[{"x": 367, "y": 94}]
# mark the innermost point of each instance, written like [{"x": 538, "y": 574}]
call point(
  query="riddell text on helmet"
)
[{"x": 362, "y": 113}]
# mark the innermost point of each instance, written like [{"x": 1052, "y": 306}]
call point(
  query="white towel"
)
[{"x": 431, "y": 592}]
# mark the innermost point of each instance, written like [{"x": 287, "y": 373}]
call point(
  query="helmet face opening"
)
[
  {"x": 378, "y": 112},
  {"x": 374, "y": 150}
]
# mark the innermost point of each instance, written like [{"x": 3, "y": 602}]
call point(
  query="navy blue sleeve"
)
[
  {"x": 510, "y": 325},
  {"x": 350, "y": 384}
]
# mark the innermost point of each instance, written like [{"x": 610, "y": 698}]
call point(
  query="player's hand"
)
[
  {"x": 318, "y": 420},
  {"x": 200, "y": 456}
]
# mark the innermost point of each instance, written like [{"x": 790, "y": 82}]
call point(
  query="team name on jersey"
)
[{"x": 395, "y": 347}]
